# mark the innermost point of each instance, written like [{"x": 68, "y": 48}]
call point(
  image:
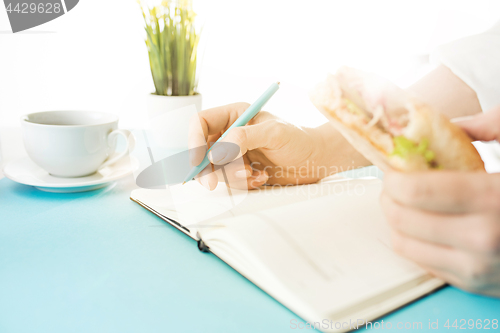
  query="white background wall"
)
[{"x": 95, "y": 58}]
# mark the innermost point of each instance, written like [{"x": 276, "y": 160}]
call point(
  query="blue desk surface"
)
[{"x": 98, "y": 262}]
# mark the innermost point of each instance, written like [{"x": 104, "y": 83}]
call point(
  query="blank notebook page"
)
[{"x": 330, "y": 252}]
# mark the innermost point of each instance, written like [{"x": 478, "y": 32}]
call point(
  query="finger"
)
[
  {"x": 483, "y": 126},
  {"x": 457, "y": 231},
  {"x": 210, "y": 122},
  {"x": 207, "y": 178},
  {"x": 444, "y": 191},
  {"x": 243, "y": 179},
  {"x": 477, "y": 282},
  {"x": 257, "y": 179},
  {"x": 237, "y": 171},
  {"x": 456, "y": 266},
  {"x": 197, "y": 154},
  {"x": 427, "y": 254},
  {"x": 449, "y": 277},
  {"x": 254, "y": 177},
  {"x": 270, "y": 134},
  {"x": 236, "y": 176}
]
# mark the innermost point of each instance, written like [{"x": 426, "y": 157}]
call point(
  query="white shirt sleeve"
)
[{"x": 475, "y": 60}]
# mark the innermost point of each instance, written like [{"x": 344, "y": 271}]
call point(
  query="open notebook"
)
[{"x": 322, "y": 250}]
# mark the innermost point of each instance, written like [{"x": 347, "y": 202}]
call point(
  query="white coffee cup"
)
[{"x": 72, "y": 143}]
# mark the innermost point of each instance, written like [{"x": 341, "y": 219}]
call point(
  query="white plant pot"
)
[{"x": 169, "y": 118}]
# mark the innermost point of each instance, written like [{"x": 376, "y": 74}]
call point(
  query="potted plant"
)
[{"x": 172, "y": 41}]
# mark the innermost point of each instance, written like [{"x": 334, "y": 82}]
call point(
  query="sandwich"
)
[{"x": 390, "y": 127}]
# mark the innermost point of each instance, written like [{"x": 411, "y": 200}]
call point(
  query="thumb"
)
[
  {"x": 483, "y": 127},
  {"x": 239, "y": 140}
]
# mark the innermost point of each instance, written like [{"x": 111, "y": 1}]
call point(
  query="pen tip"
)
[
  {"x": 278, "y": 83},
  {"x": 183, "y": 183}
]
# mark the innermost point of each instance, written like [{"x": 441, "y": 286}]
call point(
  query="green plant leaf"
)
[{"x": 172, "y": 42}]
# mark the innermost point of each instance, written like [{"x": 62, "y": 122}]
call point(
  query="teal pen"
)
[{"x": 241, "y": 121}]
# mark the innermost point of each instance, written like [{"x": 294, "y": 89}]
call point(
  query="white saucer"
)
[{"x": 26, "y": 172}]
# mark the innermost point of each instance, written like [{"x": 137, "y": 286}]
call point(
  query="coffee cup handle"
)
[{"x": 129, "y": 139}]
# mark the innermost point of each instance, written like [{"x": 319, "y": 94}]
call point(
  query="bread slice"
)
[{"x": 351, "y": 99}]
